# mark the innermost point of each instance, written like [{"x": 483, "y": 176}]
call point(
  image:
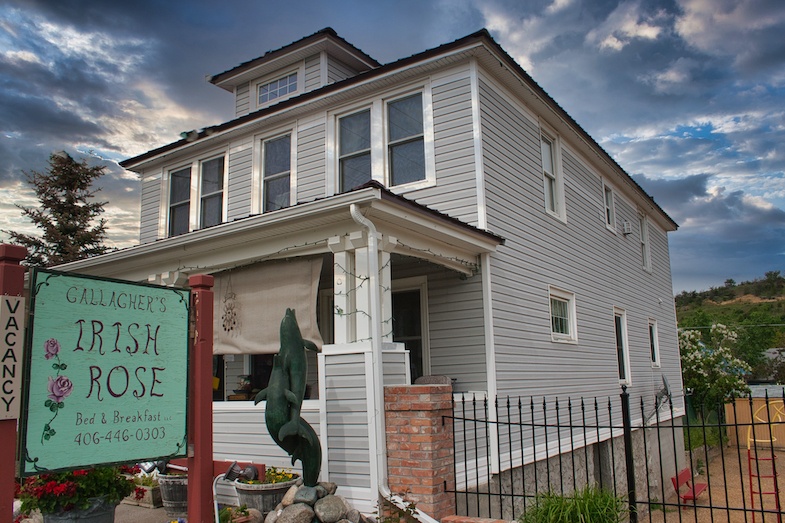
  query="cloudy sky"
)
[{"x": 687, "y": 95}]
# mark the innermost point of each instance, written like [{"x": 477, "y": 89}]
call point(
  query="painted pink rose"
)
[
  {"x": 52, "y": 348},
  {"x": 59, "y": 388}
]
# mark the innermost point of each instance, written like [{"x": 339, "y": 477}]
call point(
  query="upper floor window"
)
[
  {"x": 277, "y": 88},
  {"x": 385, "y": 142},
  {"x": 276, "y": 175},
  {"x": 645, "y": 249},
  {"x": 563, "y": 324},
  {"x": 551, "y": 172},
  {"x": 610, "y": 213},
  {"x": 179, "y": 201},
  {"x": 354, "y": 150},
  {"x": 196, "y": 196},
  {"x": 406, "y": 144},
  {"x": 212, "y": 195}
]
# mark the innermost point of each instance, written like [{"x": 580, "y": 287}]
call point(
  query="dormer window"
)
[{"x": 277, "y": 88}]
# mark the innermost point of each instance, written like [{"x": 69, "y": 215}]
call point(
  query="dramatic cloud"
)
[{"x": 687, "y": 95}]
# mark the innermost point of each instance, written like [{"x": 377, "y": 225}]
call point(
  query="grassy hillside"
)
[{"x": 755, "y": 309}]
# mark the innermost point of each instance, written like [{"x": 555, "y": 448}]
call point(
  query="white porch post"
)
[{"x": 343, "y": 299}]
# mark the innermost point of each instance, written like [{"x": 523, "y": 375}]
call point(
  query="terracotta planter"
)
[{"x": 262, "y": 496}]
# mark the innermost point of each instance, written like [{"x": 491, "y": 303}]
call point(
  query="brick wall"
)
[{"x": 420, "y": 446}]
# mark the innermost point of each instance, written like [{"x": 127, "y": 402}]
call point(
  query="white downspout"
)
[{"x": 378, "y": 375}]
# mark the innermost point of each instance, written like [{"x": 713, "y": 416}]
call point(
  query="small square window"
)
[{"x": 562, "y": 309}]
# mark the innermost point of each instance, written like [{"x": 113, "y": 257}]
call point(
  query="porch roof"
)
[{"x": 301, "y": 230}]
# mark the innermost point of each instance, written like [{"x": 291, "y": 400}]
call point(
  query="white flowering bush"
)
[{"x": 709, "y": 368}]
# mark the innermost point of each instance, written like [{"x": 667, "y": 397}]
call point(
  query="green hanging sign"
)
[{"x": 107, "y": 372}]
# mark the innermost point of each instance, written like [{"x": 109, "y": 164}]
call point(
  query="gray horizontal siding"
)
[
  {"x": 337, "y": 71},
  {"x": 455, "y": 192},
  {"x": 603, "y": 269},
  {"x": 150, "y": 205},
  {"x": 240, "y": 179},
  {"x": 311, "y": 161},
  {"x": 348, "y": 439},
  {"x": 242, "y": 100},
  {"x": 313, "y": 73}
]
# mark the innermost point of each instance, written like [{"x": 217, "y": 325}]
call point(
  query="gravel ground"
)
[{"x": 729, "y": 488}]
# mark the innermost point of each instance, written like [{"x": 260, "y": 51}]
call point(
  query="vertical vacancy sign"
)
[
  {"x": 106, "y": 380},
  {"x": 12, "y": 310}
]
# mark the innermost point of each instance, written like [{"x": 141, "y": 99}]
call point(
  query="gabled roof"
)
[
  {"x": 326, "y": 39},
  {"x": 533, "y": 92}
]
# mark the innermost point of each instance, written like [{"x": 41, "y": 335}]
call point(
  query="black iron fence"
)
[{"x": 653, "y": 454}]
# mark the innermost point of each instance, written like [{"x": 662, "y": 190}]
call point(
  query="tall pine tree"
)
[{"x": 70, "y": 221}]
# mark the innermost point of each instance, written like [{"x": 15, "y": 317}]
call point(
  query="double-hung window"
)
[
  {"x": 385, "y": 142},
  {"x": 277, "y": 171},
  {"x": 278, "y": 88},
  {"x": 610, "y": 212},
  {"x": 354, "y": 152},
  {"x": 551, "y": 175},
  {"x": 179, "y": 201},
  {"x": 654, "y": 343},
  {"x": 645, "y": 249},
  {"x": 622, "y": 353},
  {"x": 563, "y": 324},
  {"x": 406, "y": 145},
  {"x": 212, "y": 194}
]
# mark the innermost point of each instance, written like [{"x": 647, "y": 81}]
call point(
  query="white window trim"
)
[
  {"x": 223, "y": 188},
  {"x": 418, "y": 283},
  {"x": 254, "y": 92},
  {"x": 257, "y": 178},
  {"x": 379, "y": 140},
  {"x": 556, "y": 150},
  {"x": 609, "y": 208},
  {"x": 645, "y": 240},
  {"x": 194, "y": 211},
  {"x": 621, "y": 313},
  {"x": 569, "y": 297},
  {"x": 654, "y": 337}
]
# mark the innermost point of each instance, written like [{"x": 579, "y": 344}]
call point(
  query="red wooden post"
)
[
  {"x": 12, "y": 282},
  {"x": 200, "y": 404}
]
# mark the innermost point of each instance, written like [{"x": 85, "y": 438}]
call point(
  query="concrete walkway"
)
[{"x": 135, "y": 514}]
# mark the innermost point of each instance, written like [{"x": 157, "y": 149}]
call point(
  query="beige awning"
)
[{"x": 251, "y": 301}]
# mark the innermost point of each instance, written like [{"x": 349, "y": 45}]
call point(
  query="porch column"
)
[{"x": 343, "y": 300}]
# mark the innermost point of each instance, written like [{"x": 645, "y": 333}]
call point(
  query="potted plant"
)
[
  {"x": 265, "y": 493},
  {"x": 76, "y": 495},
  {"x": 234, "y": 515},
  {"x": 147, "y": 492}
]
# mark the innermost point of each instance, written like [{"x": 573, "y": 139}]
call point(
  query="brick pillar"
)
[{"x": 420, "y": 456}]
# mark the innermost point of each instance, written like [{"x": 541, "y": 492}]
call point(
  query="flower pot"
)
[
  {"x": 98, "y": 512},
  {"x": 264, "y": 497},
  {"x": 151, "y": 498},
  {"x": 174, "y": 494}
]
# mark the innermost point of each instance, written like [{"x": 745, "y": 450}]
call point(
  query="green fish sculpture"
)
[{"x": 284, "y": 395}]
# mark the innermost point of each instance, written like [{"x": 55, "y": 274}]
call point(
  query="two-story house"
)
[{"x": 437, "y": 215}]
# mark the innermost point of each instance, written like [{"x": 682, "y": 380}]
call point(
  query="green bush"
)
[{"x": 590, "y": 505}]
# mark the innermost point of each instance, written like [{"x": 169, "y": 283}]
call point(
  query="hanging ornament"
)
[{"x": 230, "y": 317}]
